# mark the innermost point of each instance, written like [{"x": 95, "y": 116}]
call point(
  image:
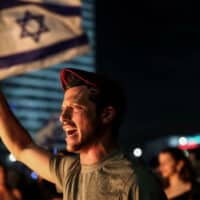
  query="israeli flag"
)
[{"x": 36, "y": 34}]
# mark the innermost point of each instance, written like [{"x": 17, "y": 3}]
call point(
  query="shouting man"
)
[{"x": 92, "y": 111}]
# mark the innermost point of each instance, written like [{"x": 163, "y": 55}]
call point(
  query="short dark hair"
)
[{"x": 110, "y": 92}]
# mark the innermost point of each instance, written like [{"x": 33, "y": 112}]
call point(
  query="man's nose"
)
[{"x": 66, "y": 115}]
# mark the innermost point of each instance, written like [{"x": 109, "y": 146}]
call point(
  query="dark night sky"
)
[{"x": 153, "y": 48}]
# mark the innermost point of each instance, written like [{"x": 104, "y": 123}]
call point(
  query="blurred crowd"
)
[{"x": 16, "y": 185}]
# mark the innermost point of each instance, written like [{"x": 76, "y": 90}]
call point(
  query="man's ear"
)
[{"x": 108, "y": 114}]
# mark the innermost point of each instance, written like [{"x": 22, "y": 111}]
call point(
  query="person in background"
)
[
  {"x": 6, "y": 192},
  {"x": 178, "y": 175},
  {"x": 194, "y": 157},
  {"x": 91, "y": 114}
]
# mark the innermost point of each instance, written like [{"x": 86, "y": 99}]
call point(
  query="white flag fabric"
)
[{"x": 35, "y": 34}]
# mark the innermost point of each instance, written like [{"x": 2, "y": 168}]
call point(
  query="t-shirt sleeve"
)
[{"x": 59, "y": 169}]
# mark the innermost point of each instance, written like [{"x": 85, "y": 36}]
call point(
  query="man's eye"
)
[{"x": 77, "y": 107}]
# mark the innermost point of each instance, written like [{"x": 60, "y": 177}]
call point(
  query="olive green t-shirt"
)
[{"x": 114, "y": 178}]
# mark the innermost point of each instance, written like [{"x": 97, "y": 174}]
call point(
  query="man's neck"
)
[
  {"x": 95, "y": 154},
  {"x": 98, "y": 150}
]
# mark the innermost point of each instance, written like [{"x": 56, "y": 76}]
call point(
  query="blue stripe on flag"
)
[
  {"x": 59, "y": 9},
  {"x": 42, "y": 53}
]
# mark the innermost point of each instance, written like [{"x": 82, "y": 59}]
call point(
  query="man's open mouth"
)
[{"x": 71, "y": 133}]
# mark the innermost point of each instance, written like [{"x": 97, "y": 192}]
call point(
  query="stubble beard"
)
[{"x": 90, "y": 140}]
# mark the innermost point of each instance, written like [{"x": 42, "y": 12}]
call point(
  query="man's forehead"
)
[{"x": 77, "y": 92}]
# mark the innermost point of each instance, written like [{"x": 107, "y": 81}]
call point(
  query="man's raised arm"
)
[{"x": 20, "y": 144}]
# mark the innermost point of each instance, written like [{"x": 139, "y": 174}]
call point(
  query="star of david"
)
[{"x": 32, "y": 26}]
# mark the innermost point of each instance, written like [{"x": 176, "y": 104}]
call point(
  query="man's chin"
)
[{"x": 73, "y": 149}]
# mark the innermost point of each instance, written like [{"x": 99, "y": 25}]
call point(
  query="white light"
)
[
  {"x": 182, "y": 141},
  {"x": 11, "y": 158},
  {"x": 173, "y": 141},
  {"x": 137, "y": 152},
  {"x": 34, "y": 176}
]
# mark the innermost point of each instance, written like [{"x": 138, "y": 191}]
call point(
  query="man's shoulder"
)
[
  {"x": 141, "y": 171},
  {"x": 122, "y": 160},
  {"x": 137, "y": 175},
  {"x": 120, "y": 164},
  {"x": 64, "y": 162}
]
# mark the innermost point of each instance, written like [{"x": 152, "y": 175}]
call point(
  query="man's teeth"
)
[{"x": 71, "y": 132}]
